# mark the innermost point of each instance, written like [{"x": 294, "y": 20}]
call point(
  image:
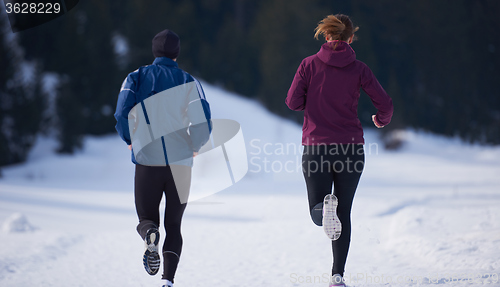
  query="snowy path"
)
[{"x": 238, "y": 239}]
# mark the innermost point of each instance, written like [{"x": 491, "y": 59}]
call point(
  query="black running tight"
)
[
  {"x": 339, "y": 166},
  {"x": 151, "y": 183}
]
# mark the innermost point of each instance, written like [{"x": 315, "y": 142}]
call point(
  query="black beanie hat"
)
[{"x": 166, "y": 44}]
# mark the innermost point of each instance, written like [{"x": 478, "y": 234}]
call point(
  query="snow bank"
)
[{"x": 17, "y": 222}]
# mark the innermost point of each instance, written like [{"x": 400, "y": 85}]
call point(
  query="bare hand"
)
[
  {"x": 195, "y": 153},
  {"x": 130, "y": 147},
  {"x": 376, "y": 123}
]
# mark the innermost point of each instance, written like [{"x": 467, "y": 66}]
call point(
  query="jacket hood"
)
[{"x": 342, "y": 56}]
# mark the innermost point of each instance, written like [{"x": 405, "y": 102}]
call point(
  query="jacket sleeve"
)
[
  {"x": 378, "y": 96},
  {"x": 296, "y": 97},
  {"x": 126, "y": 101},
  {"x": 199, "y": 115}
]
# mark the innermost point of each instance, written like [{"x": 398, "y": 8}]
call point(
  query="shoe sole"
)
[
  {"x": 331, "y": 223},
  {"x": 151, "y": 258}
]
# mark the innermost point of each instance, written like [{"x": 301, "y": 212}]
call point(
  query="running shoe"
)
[
  {"x": 331, "y": 222},
  {"x": 337, "y": 281},
  {"x": 151, "y": 258},
  {"x": 166, "y": 283}
]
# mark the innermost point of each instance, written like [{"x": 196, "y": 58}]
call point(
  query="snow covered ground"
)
[{"x": 425, "y": 215}]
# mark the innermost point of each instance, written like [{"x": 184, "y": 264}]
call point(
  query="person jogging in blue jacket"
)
[
  {"x": 327, "y": 87},
  {"x": 164, "y": 118}
]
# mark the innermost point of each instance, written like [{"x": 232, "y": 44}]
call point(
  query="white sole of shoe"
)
[
  {"x": 337, "y": 281},
  {"x": 151, "y": 258},
  {"x": 331, "y": 222}
]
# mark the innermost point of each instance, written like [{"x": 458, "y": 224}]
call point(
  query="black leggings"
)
[
  {"x": 341, "y": 166},
  {"x": 151, "y": 183}
]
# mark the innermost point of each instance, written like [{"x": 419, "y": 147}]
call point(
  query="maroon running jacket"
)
[{"x": 326, "y": 87}]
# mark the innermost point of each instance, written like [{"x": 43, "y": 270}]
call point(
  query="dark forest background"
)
[{"x": 438, "y": 59}]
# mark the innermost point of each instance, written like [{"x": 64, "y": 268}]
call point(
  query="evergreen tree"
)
[
  {"x": 78, "y": 46},
  {"x": 283, "y": 32},
  {"x": 21, "y": 102}
]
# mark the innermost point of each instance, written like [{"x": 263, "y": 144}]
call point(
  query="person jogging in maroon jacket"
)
[{"x": 326, "y": 87}]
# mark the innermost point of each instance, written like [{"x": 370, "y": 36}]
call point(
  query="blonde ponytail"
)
[{"x": 335, "y": 27}]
